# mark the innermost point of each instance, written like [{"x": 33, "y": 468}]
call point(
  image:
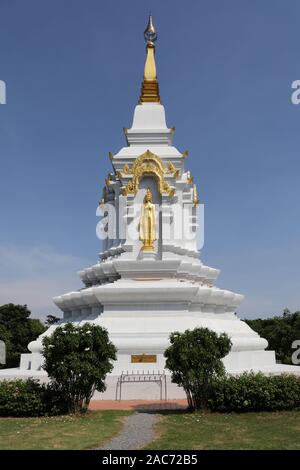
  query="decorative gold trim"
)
[
  {"x": 126, "y": 169},
  {"x": 110, "y": 155},
  {"x": 149, "y": 92},
  {"x": 185, "y": 154},
  {"x": 148, "y": 162},
  {"x": 195, "y": 196},
  {"x": 173, "y": 129},
  {"x": 148, "y": 247},
  {"x": 171, "y": 168},
  {"x": 129, "y": 189},
  {"x": 190, "y": 179}
]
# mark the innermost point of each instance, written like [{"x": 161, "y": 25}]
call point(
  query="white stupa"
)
[{"x": 142, "y": 290}]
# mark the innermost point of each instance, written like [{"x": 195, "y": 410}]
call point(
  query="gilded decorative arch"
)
[{"x": 148, "y": 162}]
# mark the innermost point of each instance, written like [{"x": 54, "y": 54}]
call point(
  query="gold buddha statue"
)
[{"x": 147, "y": 223}]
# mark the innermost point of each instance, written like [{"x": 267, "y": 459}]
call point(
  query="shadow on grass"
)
[{"x": 161, "y": 408}]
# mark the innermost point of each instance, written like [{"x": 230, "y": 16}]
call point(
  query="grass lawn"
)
[
  {"x": 87, "y": 431},
  {"x": 280, "y": 430}
]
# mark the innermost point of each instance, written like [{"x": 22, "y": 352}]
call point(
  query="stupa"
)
[{"x": 149, "y": 280}]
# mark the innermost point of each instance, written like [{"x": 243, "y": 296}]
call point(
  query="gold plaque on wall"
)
[{"x": 143, "y": 358}]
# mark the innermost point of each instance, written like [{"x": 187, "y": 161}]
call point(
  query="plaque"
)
[{"x": 143, "y": 358}]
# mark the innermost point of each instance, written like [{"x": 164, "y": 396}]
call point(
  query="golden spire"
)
[{"x": 150, "y": 88}]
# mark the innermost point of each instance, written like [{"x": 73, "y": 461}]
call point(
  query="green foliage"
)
[
  {"x": 194, "y": 359},
  {"x": 17, "y": 330},
  {"x": 280, "y": 332},
  {"x": 28, "y": 398},
  {"x": 255, "y": 392},
  {"x": 52, "y": 320},
  {"x": 77, "y": 360},
  {"x": 77, "y": 432}
]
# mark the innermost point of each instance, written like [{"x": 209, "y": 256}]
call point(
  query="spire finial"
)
[
  {"x": 150, "y": 32},
  {"x": 150, "y": 88}
]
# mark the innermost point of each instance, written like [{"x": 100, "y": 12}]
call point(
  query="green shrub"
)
[
  {"x": 194, "y": 359},
  {"x": 28, "y": 398},
  {"x": 255, "y": 392},
  {"x": 77, "y": 360},
  {"x": 21, "y": 398}
]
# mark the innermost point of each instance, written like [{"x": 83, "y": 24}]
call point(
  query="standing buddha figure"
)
[{"x": 147, "y": 222}]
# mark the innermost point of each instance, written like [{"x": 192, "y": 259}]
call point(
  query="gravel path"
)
[{"x": 137, "y": 432}]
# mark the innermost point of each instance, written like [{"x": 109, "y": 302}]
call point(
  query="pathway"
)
[
  {"x": 139, "y": 428},
  {"x": 137, "y": 432}
]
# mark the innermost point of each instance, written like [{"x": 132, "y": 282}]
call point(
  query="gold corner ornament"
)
[
  {"x": 190, "y": 179},
  {"x": 108, "y": 180},
  {"x": 110, "y": 155},
  {"x": 172, "y": 170},
  {"x": 150, "y": 87},
  {"x": 150, "y": 163},
  {"x": 195, "y": 196}
]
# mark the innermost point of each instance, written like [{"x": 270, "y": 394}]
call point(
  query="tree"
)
[
  {"x": 194, "y": 359},
  {"x": 286, "y": 312},
  {"x": 280, "y": 332},
  {"x": 17, "y": 330},
  {"x": 52, "y": 320},
  {"x": 77, "y": 359}
]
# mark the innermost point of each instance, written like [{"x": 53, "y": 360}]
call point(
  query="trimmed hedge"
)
[
  {"x": 28, "y": 398},
  {"x": 255, "y": 392}
]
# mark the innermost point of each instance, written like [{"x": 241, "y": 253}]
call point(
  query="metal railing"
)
[{"x": 142, "y": 377}]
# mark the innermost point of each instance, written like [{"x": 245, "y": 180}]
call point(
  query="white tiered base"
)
[{"x": 141, "y": 308}]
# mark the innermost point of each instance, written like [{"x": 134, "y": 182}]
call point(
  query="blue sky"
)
[{"x": 73, "y": 70}]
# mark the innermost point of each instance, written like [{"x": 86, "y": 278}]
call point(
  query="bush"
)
[
  {"x": 255, "y": 392},
  {"x": 77, "y": 359},
  {"x": 21, "y": 398},
  {"x": 28, "y": 398},
  {"x": 195, "y": 360}
]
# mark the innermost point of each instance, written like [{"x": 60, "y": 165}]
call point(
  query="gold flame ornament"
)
[{"x": 147, "y": 223}]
